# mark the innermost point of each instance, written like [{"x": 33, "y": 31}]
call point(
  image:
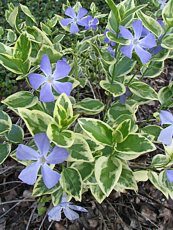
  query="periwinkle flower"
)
[
  {"x": 41, "y": 160},
  {"x": 75, "y": 19},
  {"x": 169, "y": 174},
  {"x": 162, "y": 3},
  {"x": 92, "y": 23},
  {"x": 137, "y": 43},
  {"x": 166, "y": 134},
  {"x": 124, "y": 97},
  {"x": 68, "y": 209},
  {"x": 49, "y": 79}
]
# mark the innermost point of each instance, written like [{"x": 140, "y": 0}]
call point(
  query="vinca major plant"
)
[{"x": 84, "y": 77}]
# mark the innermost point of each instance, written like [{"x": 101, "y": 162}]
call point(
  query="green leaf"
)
[
  {"x": 63, "y": 138},
  {"x": 152, "y": 130},
  {"x": 22, "y": 48},
  {"x": 16, "y": 134},
  {"x": 5, "y": 150},
  {"x": 97, "y": 193},
  {"x": 22, "y": 99},
  {"x": 126, "y": 180},
  {"x": 141, "y": 175},
  {"x": 89, "y": 106},
  {"x": 167, "y": 13},
  {"x": 80, "y": 150},
  {"x": 40, "y": 188},
  {"x": 160, "y": 161},
  {"x": 71, "y": 182},
  {"x": 5, "y": 122},
  {"x": 57, "y": 196},
  {"x": 154, "y": 69},
  {"x": 85, "y": 169},
  {"x": 167, "y": 41},
  {"x": 143, "y": 90},
  {"x": 11, "y": 17},
  {"x": 114, "y": 11},
  {"x": 113, "y": 37},
  {"x": 150, "y": 23},
  {"x": 115, "y": 88},
  {"x": 97, "y": 130},
  {"x": 13, "y": 64},
  {"x": 135, "y": 144},
  {"x": 35, "y": 120},
  {"x": 165, "y": 96},
  {"x": 107, "y": 173},
  {"x": 154, "y": 178},
  {"x": 11, "y": 36},
  {"x": 124, "y": 128},
  {"x": 27, "y": 12},
  {"x": 122, "y": 67}
]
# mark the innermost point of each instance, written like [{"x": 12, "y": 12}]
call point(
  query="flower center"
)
[
  {"x": 42, "y": 160},
  {"x": 50, "y": 79},
  {"x": 135, "y": 41}
]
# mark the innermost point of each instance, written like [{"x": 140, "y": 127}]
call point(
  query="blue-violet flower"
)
[{"x": 41, "y": 160}]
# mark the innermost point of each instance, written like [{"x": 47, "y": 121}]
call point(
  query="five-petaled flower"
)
[
  {"x": 41, "y": 160},
  {"x": 92, "y": 23},
  {"x": 140, "y": 45},
  {"x": 49, "y": 79},
  {"x": 68, "y": 209},
  {"x": 166, "y": 134},
  {"x": 75, "y": 19}
]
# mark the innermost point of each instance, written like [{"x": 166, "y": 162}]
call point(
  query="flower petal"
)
[
  {"x": 169, "y": 174},
  {"x": 166, "y": 117},
  {"x": 45, "y": 65},
  {"x": 46, "y": 94},
  {"x": 138, "y": 28},
  {"x": 50, "y": 177},
  {"x": 29, "y": 174},
  {"x": 83, "y": 22},
  {"x": 144, "y": 55},
  {"x": 166, "y": 135},
  {"x": 70, "y": 12},
  {"x": 127, "y": 50},
  {"x": 66, "y": 21},
  {"x": 125, "y": 33},
  {"x": 36, "y": 80},
  {"x": 70, "y": 214},
  {"x": 62, "y": 70},
  {"x": 25, "y": 153},
  {"x": 63, "y": 87},
  {"x": 42, "y": 142},
  {"x": 77, "y": 208},
  {"x": 81, "y": 13},
  {"x": 74, "y": 28},
  {"x": 55, "y": 213},
  {"x": 57, "y": 156},
  {"x": 148, "y": 41}
]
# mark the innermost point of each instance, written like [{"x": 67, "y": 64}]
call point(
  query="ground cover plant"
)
[{"x": 75, "y": 126}]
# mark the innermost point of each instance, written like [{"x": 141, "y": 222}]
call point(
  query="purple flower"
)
[
  {"x": 162, "y": 3},
  {"x": 68, "y": 209},
  {"x": 92, "y": 23},
  {"x": 75, "y": 19},
  {"x": 111, "y": 51},
  {"x": 137, "y": 44},
  {"x": 106, "y": 39},
  {"x": 166, "y": 134},
  {"x": 41, "y": 160},
  {"x": 49, "y": 79},
  {"x": 169, "y": 174},
  {"x": 124, "y": 97}
]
